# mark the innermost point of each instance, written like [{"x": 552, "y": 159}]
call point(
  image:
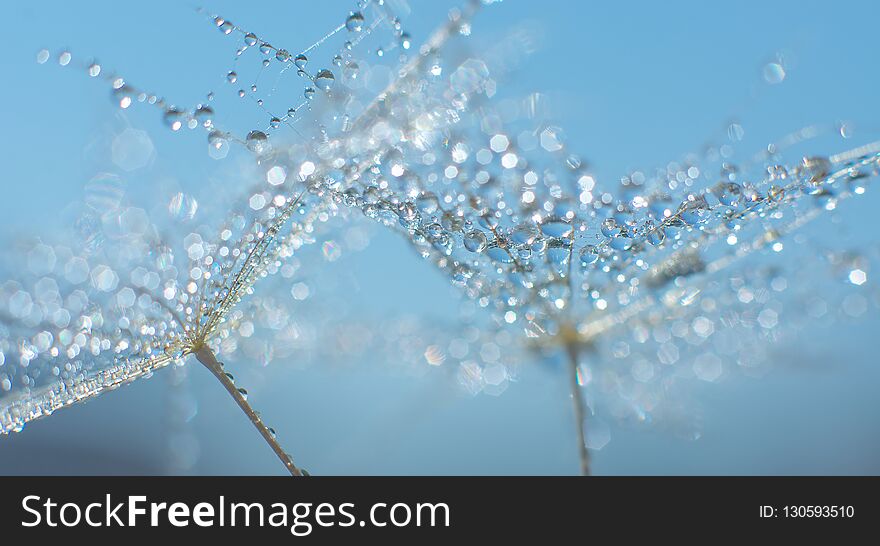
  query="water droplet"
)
[
  {"x": 282, "y": 55},
  {"x": 351, "y": 70},
  {"x": 499, "y": 254},
  {"x": 556, "y": 227},
  {"x": 656, "y": 236},
  {"x": 694, "y": 211},
  {"x": 729, "y": 193},
  {"x": 42, "y": 56},
  {"x": 309, "y": 93},
  {"x": 250, "y": 39},
  {"x": 204, "y": 114},
  {"x": 774, "y": 73},
  {"x": 218, "y": 145},
  {"x": 558, "y": 253},
  {"x": 776, "y": 193},
  {"x": 124, "y": 96},
  {"x": 174, "y": 118},
  {"x": 226, "y": 27},
  {"x": 324, "y": 79},
  {"x": 232, "y": 77},
  {"x": 816, "y": 168},
  {"x": 265, "y": 48},
  {"x": 94, "y": 70},
  {"x": 301, "y": 61},
  {"x": 428, "y": 203},
  {"x": 257, "y": 141},
  {"x": 524, "y": 234},
  {"x": 182, "y": 207},
  {"x": 65, "y": 58},
  {"x": 588, "y": 255},
  {"x": 475, "y": 241},
  {"x": 355, "y": 21},
  {"x": 243, "y": 392},
  {"x": 405, "y": 41}
]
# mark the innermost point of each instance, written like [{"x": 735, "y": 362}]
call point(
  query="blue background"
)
[{"x": 635, "y": 85}]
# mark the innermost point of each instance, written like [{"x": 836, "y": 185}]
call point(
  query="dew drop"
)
[
  {"x": 204, "y": 114},
  {"x": 499, "y": 254},
  {"x": 182, "y": 207},
  {"x": 324, "y": 79},
  {"x": 174, "y": 118},
  {"x": 232, "y": 77},
  {"x": 355, "y": 21},
  {"x": 816, "y": 168},
  {"x": 524, "y": 234},
  {"x": 123, "y": 95},
  {"x": 558, "y": 253},
  {"x": 94, "y": 70},
  {"x": 475, "y": 241},
  {"x": 218, "y": 145},
  {"x": 309, "y": 93},
  {"x": 250, "y": 39},
  {"x": 351, "y": 70},
  {"x": 776, "y": 193},
  {"x": 588, "y": 255},
  {"x": 282, "y": 55},
  {"x": 556, "y": 227},
  {"x": 656, "y": 236},
  {"x": 609, "y": 227},
  {"x": 428, "y": 203},
  {"x": 257, "y": 141},
  {"x": 42, "y": 56},
  {"x": 729, "y": 193},
  {"x": 300, "y": 61},
  {"x": 774, "y": 73}
]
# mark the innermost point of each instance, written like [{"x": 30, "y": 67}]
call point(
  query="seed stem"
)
[
  {"x": 577, "y": 399},
  {"x": 206, "y": 356}
]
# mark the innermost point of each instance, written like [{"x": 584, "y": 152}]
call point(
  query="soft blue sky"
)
[{"x": 634, "y": 84}]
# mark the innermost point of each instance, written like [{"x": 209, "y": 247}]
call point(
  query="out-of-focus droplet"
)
[
  {"x": 774, "y": 73},
  {"x": 182, "y": 207}
]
